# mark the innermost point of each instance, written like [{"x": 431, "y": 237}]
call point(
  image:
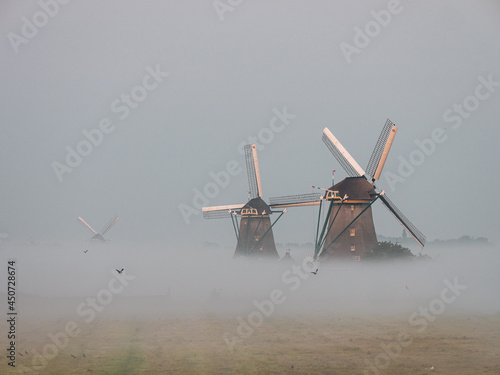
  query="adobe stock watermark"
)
[
  {"x": 224, "y": 6},
  {"x": 293, "y": 277},
  {"x": 421, "y": 319},
  {"x": 363, "y": 37},
  {"x": 453, "y": 116},
  {"x": 221, "y": 179},
  {"x": 122, "y": 106},
  {"x": 31, "y": 26},
  {"x": 87, "y": 310}
]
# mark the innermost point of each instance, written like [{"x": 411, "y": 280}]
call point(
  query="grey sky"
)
[{"x": 226, "y": 77}]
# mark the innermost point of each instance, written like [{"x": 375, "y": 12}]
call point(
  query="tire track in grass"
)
[{"x": 130, "y": 359}]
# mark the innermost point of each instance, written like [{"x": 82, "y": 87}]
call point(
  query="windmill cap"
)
[
  {"x": 357, "y": 188},
  {"x": 259, "y": 205}
]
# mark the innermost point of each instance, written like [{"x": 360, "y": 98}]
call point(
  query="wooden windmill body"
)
[
  {"x": 256, "y": 236},
  {"x": 359, "y": 237}
]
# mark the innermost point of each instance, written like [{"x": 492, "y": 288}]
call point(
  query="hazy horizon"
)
[{"x": 175, "y": 89}]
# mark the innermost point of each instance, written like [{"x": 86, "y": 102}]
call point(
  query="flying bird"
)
[
  {"x": 315, "y": 272},
  {"x": 84, "y": 355},
  {"x": 120, "y": 271},
  {"x": 73, "y": 356},
  {"x": 21, "y": 354},
  {"x": 86, "y": 251},
  {"x": 25, "y": 352}
]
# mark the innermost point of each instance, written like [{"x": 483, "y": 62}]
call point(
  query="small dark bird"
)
[
  {"x": 315, "y": 272},
  {"x": 120, "y": 271},
  {"x": 73, "y": 356},
  {"x": 86, "y": 251},
  {"x": 292, "y": 366},
  {"x": 21, "y": 354},
  {"x": 84, "y": 355},
  {"x": 25, "y": 352}
]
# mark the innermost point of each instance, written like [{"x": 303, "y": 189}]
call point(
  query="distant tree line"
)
[{"x": 464, "y": 240}]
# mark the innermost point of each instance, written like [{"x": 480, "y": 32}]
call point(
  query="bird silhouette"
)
[
  {"x": 21, "y": 354},
  {"x": 86, "y": 251},
  {"x": 315, "y": 272},
  {"x": 73, "y": 356},
  {"x": 84, "y": 355},
  {"x": 120, "y": 271},
  {"x": 25, "y": 352}
]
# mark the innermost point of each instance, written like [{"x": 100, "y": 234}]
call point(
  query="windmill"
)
[
  {"x": 98, "y": 237},
  {"x": 348, "y": 230},
  {"x": 254, "y": 235},
  {"x": 253, "y": 231}
]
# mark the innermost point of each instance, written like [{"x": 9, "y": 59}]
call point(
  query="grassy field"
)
[{"x": 281, "y": 345}]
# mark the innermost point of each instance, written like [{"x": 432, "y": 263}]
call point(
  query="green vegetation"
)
[{"x": 387, "y": 250}]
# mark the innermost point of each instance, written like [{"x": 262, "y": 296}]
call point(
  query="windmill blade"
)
[
  {"x": 381, "y": 150},
  {"x": 86, "y": 225},
  {"x": 220, "y": 212},
  {"x": 223, "y": 214},
  {"x": 343, "y": 157},
  {"x": 311, "y": 199},
  {"x": 253, "y": 172},
  {"x": 412, "y": 229},
  {"x": 112, "y": 222}
]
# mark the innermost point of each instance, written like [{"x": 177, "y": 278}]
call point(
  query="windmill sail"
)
[
  {"x": 412, "y": 229},
  {"x": 111, "y": 223},
  {"x": 298, "y": 200},
  {"x": 220, "y": 212},
  {"x": 86, "y": 225},
  {"x": 381, "y": 150},
  {"x": 254, "y": 185},
  {"x": 345, "y": 159}
]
